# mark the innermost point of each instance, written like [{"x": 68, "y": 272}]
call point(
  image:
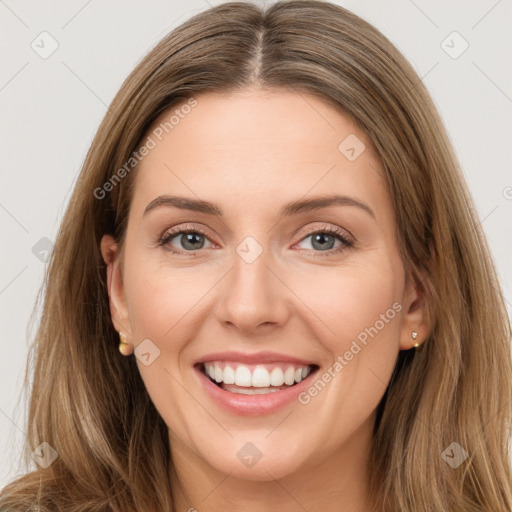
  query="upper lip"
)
[{"x": 255, "y": 358}]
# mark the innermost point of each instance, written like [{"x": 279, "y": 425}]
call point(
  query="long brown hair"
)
[{"x": 90, "y": 404}]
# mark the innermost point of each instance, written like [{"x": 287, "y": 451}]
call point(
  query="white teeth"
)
[
  {"x": 229, "y": 375},
  {"x": 289, "y": 376},
  {"x": 276, "y": 377},
  {"x": 253, "y": 391},
  {"x": 243, "y": 376},
  {"x": 260, "y": 376}
]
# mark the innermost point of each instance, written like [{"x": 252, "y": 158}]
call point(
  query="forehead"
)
[{"x": 257, "y": 147}]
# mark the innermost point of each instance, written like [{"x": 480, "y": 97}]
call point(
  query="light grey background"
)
[{"x": 52, "y": 107}]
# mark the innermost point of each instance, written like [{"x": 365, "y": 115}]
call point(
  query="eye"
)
[
  {"x": 323, "y": 240},
  {"x": 189, "y": 240}
]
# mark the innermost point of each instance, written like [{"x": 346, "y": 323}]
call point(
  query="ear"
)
[
  {"x": 415, "y": 316},
  {"x": 118, "y": 308}
]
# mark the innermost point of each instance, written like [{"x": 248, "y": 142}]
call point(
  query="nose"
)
[{"x": 253, "y": 297}]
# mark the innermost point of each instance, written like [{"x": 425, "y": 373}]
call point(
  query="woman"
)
[{"x": 272, "y": 227}]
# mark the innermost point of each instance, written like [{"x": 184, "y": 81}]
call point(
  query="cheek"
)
[
  {"x": 351, "y": 300},
  {"x": 161, "y": 305},
  {"x": 341, "y": 304},
  {"x": 160, "y": 298},
  {"x": 359, "y": 310}
]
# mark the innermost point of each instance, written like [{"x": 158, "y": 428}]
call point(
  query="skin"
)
[{"x": 250, "y": 153}]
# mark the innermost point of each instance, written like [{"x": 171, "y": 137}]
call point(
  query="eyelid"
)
[
  {"x": 307, "y": 231},
  {"x": 175, "y": 230}
]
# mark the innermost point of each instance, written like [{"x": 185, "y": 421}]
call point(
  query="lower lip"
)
[{"x": 252, "y": 405}]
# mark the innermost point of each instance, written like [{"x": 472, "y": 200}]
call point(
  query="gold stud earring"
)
[
  {"x": 414, "y": 335},
  {"x": 125, "y": 348}
]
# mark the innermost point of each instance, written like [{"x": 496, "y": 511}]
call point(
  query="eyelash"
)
[{"x": 345, "y": 243}]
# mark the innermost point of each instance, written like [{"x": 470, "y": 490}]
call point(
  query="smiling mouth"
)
[{"x": 255, "y": 379}]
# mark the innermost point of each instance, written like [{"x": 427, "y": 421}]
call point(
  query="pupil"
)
[
  {"x": 192, "y": 239},
  {"x": 322, "y": 239}
]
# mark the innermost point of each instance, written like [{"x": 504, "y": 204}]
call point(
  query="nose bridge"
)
[{"x": 252, "y": 295}]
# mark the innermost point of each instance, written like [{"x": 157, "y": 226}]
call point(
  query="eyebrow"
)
[{"x": 291, "y": 208}]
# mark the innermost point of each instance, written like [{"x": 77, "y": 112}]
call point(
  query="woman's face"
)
[{"x": 273, "y": 281}]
